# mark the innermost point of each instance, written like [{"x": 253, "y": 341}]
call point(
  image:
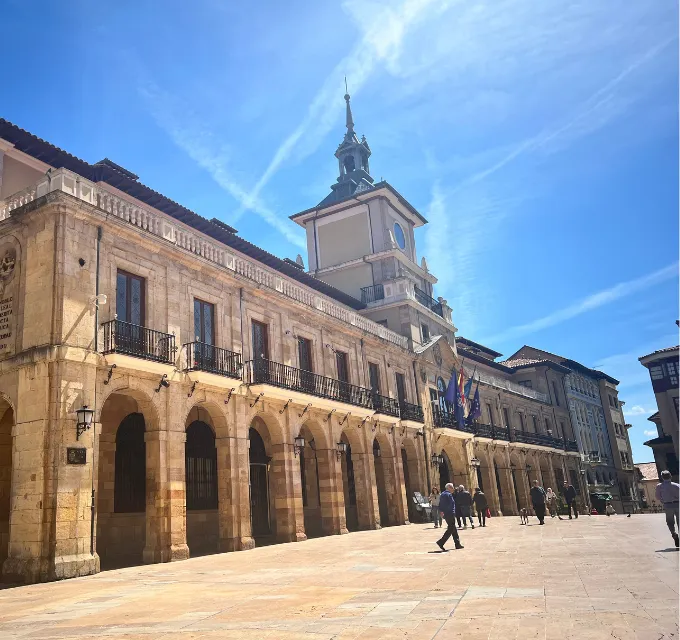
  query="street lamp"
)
[
  {"x": 341, "y": 449},
  {"x": 475, "y": 462},
  {"x": 85, "y": 417},
  {"x": 299, "y": 445},
  {"x": 436, "y": 460}
]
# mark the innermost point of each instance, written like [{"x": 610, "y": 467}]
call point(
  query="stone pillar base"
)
[
  {"x": 236, "y": 544},
  {"x": 31, "y": 570},
  {"x": 154, "y": 555},
  {"x": 299, "y": 536}
]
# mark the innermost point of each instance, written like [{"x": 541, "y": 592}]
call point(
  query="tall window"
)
[
  {"x": 130, "y": 299},
  {"x": 489, "y": 412},
  {"x": 401, "y": 387},
  {"x": 343, "y": 368},
  {"x": 557, "y": 395},
  {"x": 547, "y": 426},
  {"x": 260, "y": 340},
  {"x": 672, "y": 368},
  {"x": 441, "y": 392},
  {"x": 305, "y": 354},
  {"x": 535, "y": 421},
  {"x": 425, "y": 331},
  {"x": 201, "y": 467},
  {"x": 204, "y": 322},
  {"x": 374, "y": 377},
  {"x": 563, "y": 431},
  {"x": 506, "y": 415},
  {"x": 521, "y": 421}
]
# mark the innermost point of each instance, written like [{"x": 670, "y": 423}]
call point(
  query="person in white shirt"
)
[
  {"x": 434, "y": 502},
  {"x": 668, "y": 493}
]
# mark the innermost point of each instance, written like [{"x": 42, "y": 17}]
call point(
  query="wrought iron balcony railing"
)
[
  {"x": 432, "y": 304},
  {"x": 537, "y": 438},
  {"x": 447, "y": 419},
  {"x": 571, "y": 445},
  {"x": 384, "y": 405},
  {"x": 207, "y": 357},
  {"x": 263, "y": 371},
  {"x": 371, "y": 294},
  {"x": 412, "y": 412},
  {"x": 132, "y": 340}
]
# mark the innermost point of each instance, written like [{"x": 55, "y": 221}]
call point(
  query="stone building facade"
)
[
  {"x": 663, "y": 367},
  {"x": 237, "y": 400}
]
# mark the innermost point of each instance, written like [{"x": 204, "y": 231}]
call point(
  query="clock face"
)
[{"x": 437, "y": 353}]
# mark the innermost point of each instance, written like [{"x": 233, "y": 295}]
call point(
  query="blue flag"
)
[
  {"x": 476, "y": 411},
  {"x": 451, "y": 394}
]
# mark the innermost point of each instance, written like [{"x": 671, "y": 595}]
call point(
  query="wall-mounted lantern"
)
[{"x": 85, "y": 417}]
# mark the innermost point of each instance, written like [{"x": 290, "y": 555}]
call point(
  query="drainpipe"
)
[{"x": 96, "y": 350}]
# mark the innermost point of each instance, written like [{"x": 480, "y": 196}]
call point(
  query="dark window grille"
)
[
  {"x": 429, "y": 302},
  {"x": 130, "y": 298},
  {"x": 201, "y": 467},
  {"x": 204, "y": 322},
  {"x": 129, "y": 489},
  {"x": 206, "y": 357},
  {"x": 372, "y": 294},
  {"x": 140, "y": 342},
  {"x": 260, "y": 340},
  {"x": 351, "y": 488},
  {"x": 343, "y": 369}
]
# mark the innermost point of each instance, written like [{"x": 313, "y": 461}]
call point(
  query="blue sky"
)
[{"x": 539, "y": 139}]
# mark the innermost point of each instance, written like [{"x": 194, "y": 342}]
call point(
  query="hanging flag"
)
[
  {"x": 468, "y": 384},
  {"x": 476, "y": 411}
]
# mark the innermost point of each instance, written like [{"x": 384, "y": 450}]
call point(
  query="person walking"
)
[
  {"x": 464, "y": 507},
  {"x": 447, "y": 507},
  {"x": 667, "y": 493},
  {"x": 569, "y": 494},
  {"x": 481, "y": 505},
  {"x": 538, "y": 501},
  {"x": 551, "y": 501},
  {"x": 434, "y": 503}
]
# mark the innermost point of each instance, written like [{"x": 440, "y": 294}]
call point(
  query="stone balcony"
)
[{"x": 403, "y": 289}]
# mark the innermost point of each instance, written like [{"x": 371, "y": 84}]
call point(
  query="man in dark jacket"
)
[
  {"x": 538, "y": 501},
  {"x": 481, "y": 505},
  {"x": 447, "y": 507},
  {"x": 463, "y": 506},
  {"x": 569, "y": 494}
]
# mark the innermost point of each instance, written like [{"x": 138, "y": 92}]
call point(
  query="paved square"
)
[{"x": 590, "y": 578}]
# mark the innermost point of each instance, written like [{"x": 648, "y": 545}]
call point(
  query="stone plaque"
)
[
  {"x": 8, "y": 290},
  {"x": 76, "y": 455}
]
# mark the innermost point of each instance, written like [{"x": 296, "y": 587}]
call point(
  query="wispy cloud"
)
[
  {"x": 383, "y": 29},
  {"x": 589, "y": 303},
  {"x": 192, "y": 137},
  {"x": 637, "y": 410},
  {"x": 650, "y": 432}
]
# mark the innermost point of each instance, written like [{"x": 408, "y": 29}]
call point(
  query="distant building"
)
[
  {"x": 663, "y": 371},
  {"x": 647, "y": 478},
  {"x": 599, "y": 429}
]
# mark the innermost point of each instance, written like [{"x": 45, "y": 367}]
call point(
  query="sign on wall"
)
[
  {"x": 8, "y": 296},
  {"x": 76, "y": 455}
]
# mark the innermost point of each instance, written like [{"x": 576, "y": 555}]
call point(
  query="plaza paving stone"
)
[{"x": 591, "y": 578}]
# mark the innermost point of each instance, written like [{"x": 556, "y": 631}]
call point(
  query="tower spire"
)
[{"x": 349, "y": 122}]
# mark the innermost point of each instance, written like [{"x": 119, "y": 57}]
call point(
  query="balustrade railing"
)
[
  {"x": 263, "y": 371},
  {"x": 373, "y": 293},
  {"x": 429, "y": 302},
  {"x": 132, "y": 340},
  {"x": 211, "y": 359},
  {"x": 384, "y": 405},
  {"x": 412, "y": 412}
]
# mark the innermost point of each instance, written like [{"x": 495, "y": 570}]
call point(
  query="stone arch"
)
[
  {"x": 122, "y": 513},
  {"x": 201, "y": 482},
  {"x": 411, "y": 464},
  {"x": 7, "y": 421},
  {"x": 445, "y": 471},
  {"x": 520, "y": 482},
  {"x": 273, "y": 425},
  {"x": 504, "y": 484},
  {"x": 315, "y": 442},
  {"x": 381, "y": 470}
]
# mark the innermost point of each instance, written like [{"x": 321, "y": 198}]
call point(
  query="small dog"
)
[{"x": 523, "y": 516}]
